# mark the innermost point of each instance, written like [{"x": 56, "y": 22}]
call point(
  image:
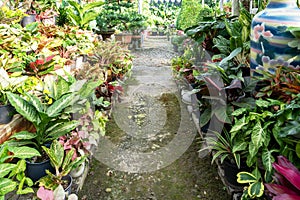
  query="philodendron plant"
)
[
  {"x": 63, "y": 164},
  {"x": 12, "y": 175}
]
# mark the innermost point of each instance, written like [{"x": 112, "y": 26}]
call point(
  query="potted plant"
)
[
  {"x": 8, "y": 84},
  {"x": 230, "y": 153},
  {"x": 63, "y": 163},
  {"x": 46, "y": 115},
  {"x": 12, "y": 174}
]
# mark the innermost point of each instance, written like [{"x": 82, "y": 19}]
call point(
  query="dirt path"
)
[{"x": 150, "y": 148}]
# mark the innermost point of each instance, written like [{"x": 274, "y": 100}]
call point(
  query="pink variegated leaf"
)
[{"x": 45, "y": 194}]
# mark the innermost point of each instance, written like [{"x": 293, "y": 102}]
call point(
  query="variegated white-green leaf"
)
[
  {"x": 258, "y": 135},
  {"x": 55, "y": 109},
  {"x": 24, "y": 152},
  {"x": 26, "y": 109},
  {"x": 6, "y": 185},
  {"x": 6, "y": 168},
  {"x": 267, "y": 159},
  {"x": 62, "y": 129},
  {"x": 23, "y": 135}
]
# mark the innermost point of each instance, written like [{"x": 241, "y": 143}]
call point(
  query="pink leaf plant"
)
[{"x": 287, "y": 181}]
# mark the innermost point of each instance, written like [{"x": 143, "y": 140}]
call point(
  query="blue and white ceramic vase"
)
[{"x": 274, "y": 40}]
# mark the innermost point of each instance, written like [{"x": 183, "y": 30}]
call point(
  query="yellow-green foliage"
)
[{"x": 188, "y": 14}]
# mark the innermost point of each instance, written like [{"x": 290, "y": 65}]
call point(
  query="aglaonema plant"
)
[
  {"x": 62, "y": 162},
  {"x": 12, "y": 175}
]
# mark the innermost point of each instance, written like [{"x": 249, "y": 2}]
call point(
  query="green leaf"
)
[
  {"x": 55, "y": 109},
  {"x": 24, "y": 152},
  {"x": 267, "y": 159},
  {"x": 231, "y": 55},
  {"x": 62, "y": 87},
  {"x": 6, "y": 186},
  {"x": 24, "y": 135},
  {"x": 88, "y": 88},
  {"x": 239, "y": 146},
  {"x": 32, "y": 27},
  {"x": 35, "y": 101},
  {"x": 298, "y": 149},
  {"x": 238, "y": 125},
  {"x": 6, "y": 168},
  {"x": 205, "y": 117},
  {"x": 256, "y": 189},
  {"x": 61, "y": 129},
  {"x": 239, "y": 111},
  {"x": 92, "y": 5},
  {"x": 258, "y": 135},
  {"x": 67, "y": 159},
  {"x": 246, "y": 177},
  {"x": 262, "y": 103},
  {"x": 26, "y": 109}
]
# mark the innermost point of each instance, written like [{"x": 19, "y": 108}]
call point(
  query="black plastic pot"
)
[
  {"x": 230, "y": 172},
  {"x": 28, "y": 19},
  {"x": 35, "y": 171},
  {"x": 6, "y": 113}
]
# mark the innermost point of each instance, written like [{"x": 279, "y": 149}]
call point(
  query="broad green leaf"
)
[
  {"x": 231, "y": 55},
  {"x": 239, "y": 111},
  {"x": 35, "y": 101},
  {"x": 256, "y": 189},
  {"x": 59, "y": 152},
  {"x": 26, "y": 109},
  {"x": 6, "y": 186},
  {"x": 24, "y": 135},
  {"x": 6, "y": 168},
  {"x": 61, "y": 88},
  {"x": 262, "y": 103},
  {"x": 246, "y": 177},
  {"x": 298, "y": 149},
  {"x": 92, "y": 5},
  {"x": 32, "y": 27},
  {"x": 55, "y": 109},
  {"x": 88, "y": 88},
  {"x": 62, "y": 129},
  {"x": 239, "y": 146},
  {"x": 205, "y": 117},
  {"x": 24, "y": 152}
]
